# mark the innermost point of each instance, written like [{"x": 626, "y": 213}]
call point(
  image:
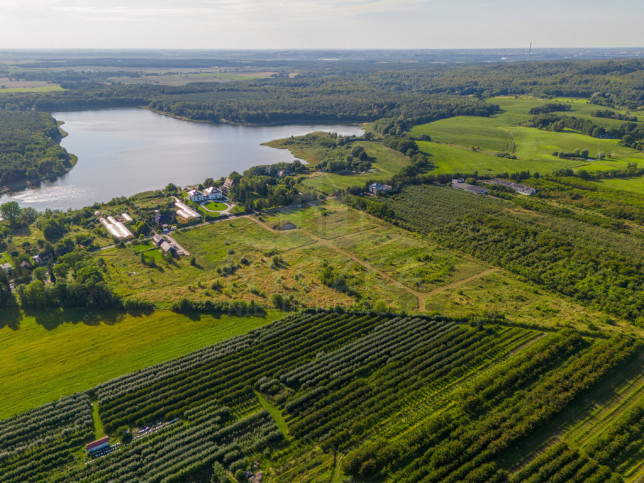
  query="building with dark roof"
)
[{"x": 477, "y": 190}]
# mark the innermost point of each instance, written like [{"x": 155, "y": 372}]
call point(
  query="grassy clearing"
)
[
  {"x": 501, "y": 292},
  {"x": 143, "y": 246},
  {"x": 275, "y": 413},
  {"x": 329, "y": 220},
  {"x": 53, "y": 354},
  {"x": 99, "y": 431},
  {"x": 249, "y": 248},
  {"x": 636, "y": 185},
  {"x": 410, "y": 259},
  {"x": 387, "y": 163}
]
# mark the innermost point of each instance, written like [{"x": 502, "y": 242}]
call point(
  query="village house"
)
[
  {"x": 6, "y": 267},
  {"x": 167, "y": 247},
  {"x": 375, "y": 187},
  {"x": 213, "y": 193},
  {"x": 196, "y": 196},
  {"x": 157, "y": 239},
  {"x": 160, "y": 219}
]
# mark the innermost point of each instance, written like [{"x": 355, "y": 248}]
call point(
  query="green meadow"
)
[
  {"x": 635, "y": 185},
  {"x": 466, "y": 144},
  {"x": 49, "y": 354}
]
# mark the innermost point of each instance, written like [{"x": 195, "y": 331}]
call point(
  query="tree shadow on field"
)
[
  {"x": 52, "y": 318},
  {"x": 10, "y": 318}
]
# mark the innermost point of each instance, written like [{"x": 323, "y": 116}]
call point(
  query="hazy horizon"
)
[{"x": 317, "y": 25}]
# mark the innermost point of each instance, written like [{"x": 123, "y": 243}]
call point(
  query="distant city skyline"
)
[{"x": 319, "y": 24}]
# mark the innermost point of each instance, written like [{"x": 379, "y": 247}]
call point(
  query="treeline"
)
[
  {"x": 608, "y": 114},
  {"x": 550, "y": 107},
  {"x": 237, "y": 308},
  {"x": 29, "y": 148},
  {"x": 77, "y": 280},
  {"x": 630, "y": 133}
]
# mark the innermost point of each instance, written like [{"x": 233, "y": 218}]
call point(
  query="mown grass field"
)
[{"x": 50, "y": 354}]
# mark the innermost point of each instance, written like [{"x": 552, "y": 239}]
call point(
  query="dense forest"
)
[
  {"x": 29, "y": 148},
  {"x": 349, "y": 91}
]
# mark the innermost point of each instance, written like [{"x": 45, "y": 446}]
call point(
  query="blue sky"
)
[{"x": 293, "y": 24}]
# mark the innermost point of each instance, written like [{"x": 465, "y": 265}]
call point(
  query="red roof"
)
[{"x": 98, "y": 442}]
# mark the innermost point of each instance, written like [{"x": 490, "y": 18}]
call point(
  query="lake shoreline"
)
[{"x": 125, "y": 151}]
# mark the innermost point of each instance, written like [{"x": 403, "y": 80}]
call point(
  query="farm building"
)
[
  {"x": 213, "y": 193},
  {"x": 477, "y": 190},
  {"x": 115, "y": 228},
  {"x": 98, "y": 444},
  {"x": 184, "y": 211},
  {"x": 519, "y": 188},
  {"x": 127, "y": 218},
  {"x": 375, "y": 187}
]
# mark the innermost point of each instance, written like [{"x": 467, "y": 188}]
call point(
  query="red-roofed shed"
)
[{"x": 98, "y": 444}]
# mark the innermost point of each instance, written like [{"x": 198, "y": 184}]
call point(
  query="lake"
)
[{"x": 122, "y": 152}]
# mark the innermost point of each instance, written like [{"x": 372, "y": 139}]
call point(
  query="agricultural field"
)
[
  {"x": 468, "y": 143},
  {"x": 320, "y": 396},
  {"x": 10, "y": 86},
  {"x": 48, "y": 354}
]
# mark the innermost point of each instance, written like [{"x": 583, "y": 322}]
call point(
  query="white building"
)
[
  {"x": 213, "y": 193},
  {"x": 196, "y": 196}
]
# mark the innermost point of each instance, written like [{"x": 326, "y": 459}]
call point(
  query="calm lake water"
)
[{"x": 122, "y": 152}]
